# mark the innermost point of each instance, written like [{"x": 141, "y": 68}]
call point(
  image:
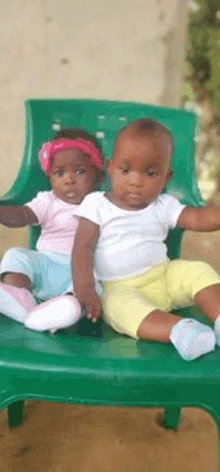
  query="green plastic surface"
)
[{"x": 91, "y": 363}]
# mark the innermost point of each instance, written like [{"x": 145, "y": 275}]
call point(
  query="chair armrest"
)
[{"x": 25, "y": 186}]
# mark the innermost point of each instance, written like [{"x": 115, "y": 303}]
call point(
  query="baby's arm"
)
[
  {"x": 82, "y": 267},
  {"x": 17, "y": 216},
  {"x": 200, "y": 219}
]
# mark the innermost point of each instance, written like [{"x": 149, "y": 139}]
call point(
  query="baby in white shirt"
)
[
  {"x": 121, "y": 238},
  {"x": 73, "y": 162}
]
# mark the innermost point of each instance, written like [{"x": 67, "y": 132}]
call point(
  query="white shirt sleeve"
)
[
  {"x": 172, "y": 209},
  {"x": 39, "y": 205},
  {"x": 89, "y": 208}
]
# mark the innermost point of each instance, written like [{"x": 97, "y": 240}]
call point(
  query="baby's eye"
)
[
  {"x": 124, "y": 170},
  {"x": 59, "y": 172},
  {"x": 81, "y": 170},
  {"x": 151, "y": 172}
]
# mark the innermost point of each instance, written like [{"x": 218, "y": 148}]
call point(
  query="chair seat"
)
[{"x": 92, "y": 364}]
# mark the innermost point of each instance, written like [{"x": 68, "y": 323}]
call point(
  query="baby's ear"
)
[
  {"x": 100, "y": 176},
  {"x": 108, "y": 164},
  {"x": 169, "y": 175}
]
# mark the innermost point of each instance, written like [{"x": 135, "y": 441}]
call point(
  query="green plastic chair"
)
[{"x": 90, "y": 363}]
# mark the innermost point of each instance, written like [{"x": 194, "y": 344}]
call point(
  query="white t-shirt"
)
[
  {"x": 57, "y": 220},
  {"x": 130, "y": 242}
]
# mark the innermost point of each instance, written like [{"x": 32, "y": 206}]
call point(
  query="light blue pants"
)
[{"x": 49, "y": 272}]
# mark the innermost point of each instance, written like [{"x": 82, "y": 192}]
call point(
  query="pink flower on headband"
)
[{"x": 53, "y": 147}]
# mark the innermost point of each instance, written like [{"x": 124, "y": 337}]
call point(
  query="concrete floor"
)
[{"x": 72, "y": 438}]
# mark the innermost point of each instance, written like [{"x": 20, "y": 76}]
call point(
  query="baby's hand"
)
[{"x": 92, "y": 306}]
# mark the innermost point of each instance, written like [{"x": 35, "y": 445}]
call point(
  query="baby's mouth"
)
[
  {"x": 134, "y": 195},
  {"x": 70, "y": 193},
  {"x": 71, "y": 197}
]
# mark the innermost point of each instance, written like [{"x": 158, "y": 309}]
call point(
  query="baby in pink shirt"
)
[
  {"x": 58, "y": 225},
  {"x": 73, "y": 162}
]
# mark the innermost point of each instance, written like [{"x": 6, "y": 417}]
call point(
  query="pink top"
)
[{"x": 57, "y": 220}]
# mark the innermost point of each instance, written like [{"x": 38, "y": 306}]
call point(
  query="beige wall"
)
[{"x": 124, "y": 49}]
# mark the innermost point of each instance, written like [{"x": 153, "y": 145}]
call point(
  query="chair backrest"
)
[{"x": 104, "y": 118}]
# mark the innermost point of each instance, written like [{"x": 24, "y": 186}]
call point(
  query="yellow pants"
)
[{"x": 173, "y": 284}]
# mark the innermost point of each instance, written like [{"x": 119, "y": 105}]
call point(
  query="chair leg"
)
[
  {"x": 15, "y": 413},
  {"x": 171, "y": 417},
  {"x": 218, "y": 445}
]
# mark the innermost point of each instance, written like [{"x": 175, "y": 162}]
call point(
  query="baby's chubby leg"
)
[
  {"x": 157, "y": 326},
  {"x": 196, "y": 282},
  {"x": 50, "y": 275},
  {"x": 191, "y": 338},
  {"x": 17, "y": 280},
  {"x": 208, "y": 299},
  {"x": 129, "y": 311}
]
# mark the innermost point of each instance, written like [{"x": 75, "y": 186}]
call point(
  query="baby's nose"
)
[
  {"x": 135, "y": 178},
  {"x": 70, "y": 178}
]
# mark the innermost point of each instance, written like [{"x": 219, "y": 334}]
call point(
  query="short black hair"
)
[{"x": 144, "y": 125}]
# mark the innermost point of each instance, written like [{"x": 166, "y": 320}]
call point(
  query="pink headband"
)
[{"x": 53, "y": 147}]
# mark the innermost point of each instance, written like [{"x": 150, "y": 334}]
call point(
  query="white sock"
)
[
  {"x": 192, "y": 338},
  {"x": 56, "y": 313},
  {"x": 217, "y": 330}
]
